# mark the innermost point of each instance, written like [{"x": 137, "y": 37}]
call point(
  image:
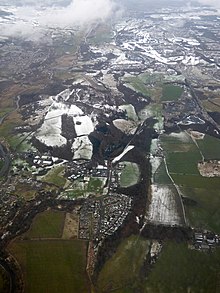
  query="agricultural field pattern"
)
[{"x": 109, "y": 147}]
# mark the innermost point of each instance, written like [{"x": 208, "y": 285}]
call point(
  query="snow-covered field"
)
[
  {"x": 130, "y": 110},
  {"x": 125, "y": 151},
  {"x": 163, "y": 208},
  {"x": 82, "y": 148},
  {"x": 50, "y": 133},
  {"x": 182, "y": 136},
  {"x": 155, "y": 164},
  {"x": 83, "y": 125},
  {"x": 125, "y": 126}
]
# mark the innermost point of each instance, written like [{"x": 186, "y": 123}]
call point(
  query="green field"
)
[
  {"x": 122, "y": 270},
  {"x": 48, "y": 224},
  {"x": 161, "y": 176},
  {"x": 130, "y": 175},
  {"x": 212, "y": 105},
  {"x": 182, "y": 157},
  {"x": 152, "y": 110},
  {"x": 195, "y": 181},
  {"x": 24, "y": 143},
  {"x": 7, "y": 129},
  {"x": 5, "y": 111},
  {"x": 52, "y": 266},
  {"x": 171, "y": 92},
  {"x": 182, "y": 270},
  {"x": 55, "y": 176},
  {"x": 206, "y": 213},
  {"x": 210, "y": 147},
  {"x": 150, "y": 85},
  {"x": 80, "y": 188},
  {"x": 74, "y": 193},
  {"x": 94, "y": 185}
]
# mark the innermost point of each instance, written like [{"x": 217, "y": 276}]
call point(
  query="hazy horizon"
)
[{"x": 30, "y": 16}]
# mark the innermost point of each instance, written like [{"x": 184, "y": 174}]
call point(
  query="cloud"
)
[
  {"x": 32, "y": 21},
  {"x": 214, "y": 3},
  {"x": 79, "y": 12}
]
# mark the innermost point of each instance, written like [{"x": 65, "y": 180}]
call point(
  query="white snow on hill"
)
[
  {"x": 83, "y": 125},
  {"x": 82, "y": 148},
  {"x": 50, "y": 131},
  {"x": 125, "y": 151}
]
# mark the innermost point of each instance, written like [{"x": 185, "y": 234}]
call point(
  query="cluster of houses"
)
[
  {"x": 79, "y": 171},
  {"x": 205, "y": 240},
  {"x": 101, "y": 217}
]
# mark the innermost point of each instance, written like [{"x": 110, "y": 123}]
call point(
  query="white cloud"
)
[
  {"x": 30, "y": 21},
  {"x": 79, "y": 12},
  {"x": 215, "y": 3}
]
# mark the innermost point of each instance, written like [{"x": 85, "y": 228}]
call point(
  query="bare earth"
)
[
  {"x": 70, "y": 230},
  {"x": 209, "y": 168}
]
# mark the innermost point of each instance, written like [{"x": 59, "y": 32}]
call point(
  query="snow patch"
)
[
  {"x": 82, "y": 148},
  {"x": 83, "y": 125},
  {"x": 126, "y": 150},
  {"x": 163, "y": 208}
]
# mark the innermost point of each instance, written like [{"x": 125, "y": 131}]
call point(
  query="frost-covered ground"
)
[
  {"x": 50, "y": 133},
  {"x": 83, "y": 125},
  {"x": 163, "y": 208},
  {"x": 130, "y": 110},
  {"x": 125, "y": 151},
  {"x": 125, "y": 126},
  {"x": 155, "y": 164},
  {"x": 82, "y": 148}
]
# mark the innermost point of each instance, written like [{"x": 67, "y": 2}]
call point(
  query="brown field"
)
[
  {"x": 70, "y": 230},
  {"x": 209, "y": 168}
]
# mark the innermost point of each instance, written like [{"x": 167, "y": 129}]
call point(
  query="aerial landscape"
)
[{"x": 109, "y": 146}]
